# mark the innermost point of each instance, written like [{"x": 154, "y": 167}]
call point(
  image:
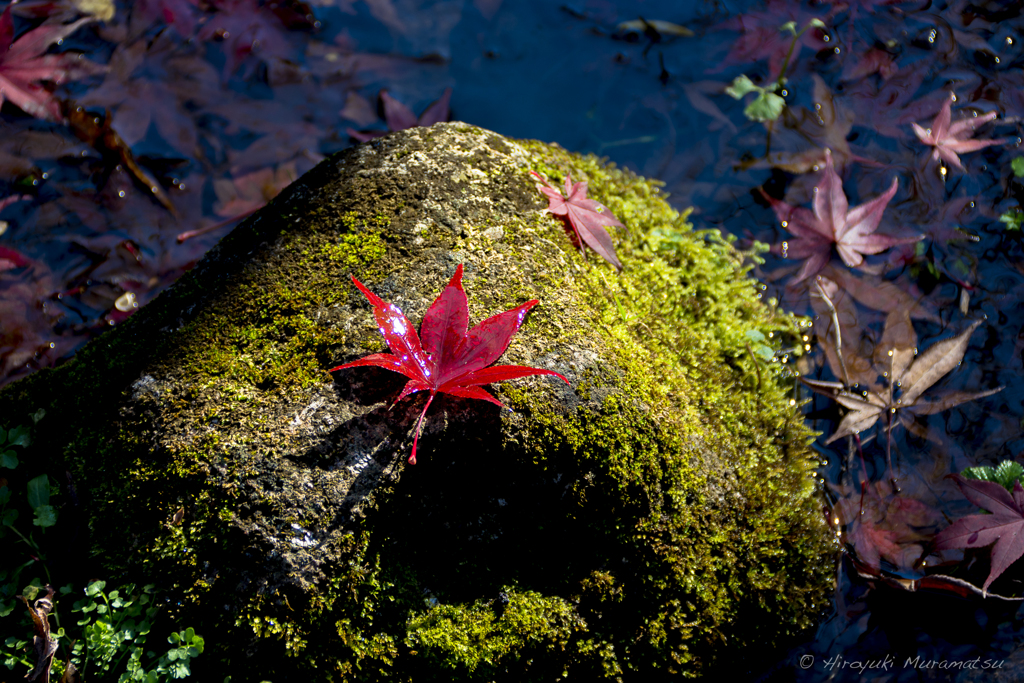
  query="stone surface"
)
[{"x": 642, "y": 523}]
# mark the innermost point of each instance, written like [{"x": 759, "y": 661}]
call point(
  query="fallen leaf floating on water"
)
[
  {"x": 449, "y": 360},
  {"x": 586, "y": 217},
  {"x": 1004, "y": 527},
  {"x": 23, "y": 66},
  {"x": 894, "y": 359},
  {"x": 400, "y": 117},
  {"x": 949, "y": 140},
  {"x": 852, "y": 231}
]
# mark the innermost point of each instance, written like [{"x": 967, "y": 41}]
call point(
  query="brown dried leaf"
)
[
  {"x": 867, "y": 402},
  {"x": 858, "y": 369},
  {"x": 949, "y": 400},
  {"x": 43, "y": 643},
  {"x": 895, "y": 352},
  {"x": 856, "y": 421},
  {"x": 933, "y": 364}
]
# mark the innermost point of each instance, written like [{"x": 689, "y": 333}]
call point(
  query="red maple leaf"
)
[
  {"x": 950, "y": 139},
  {"x": 1004, "y": 527},
  {"x": 449, "y": 360},
  {"x": 833, "y": 222},
  {"x": 23, "y": 65},
  {"x": 400, "y": 117},
  {"x": 586, "y": 217}
]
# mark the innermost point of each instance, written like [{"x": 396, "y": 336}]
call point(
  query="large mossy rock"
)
[{"x": 657, "y": 517}]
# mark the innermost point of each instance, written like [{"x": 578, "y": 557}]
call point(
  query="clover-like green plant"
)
[{"x": 768, "y": 104}]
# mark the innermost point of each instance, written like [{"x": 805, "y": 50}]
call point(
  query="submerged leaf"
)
[
  {"x": 24, "y": 64},
  {"x": 894, "y": 360},
  {"x": 1004, "y": 526},
  {"x": 952, "y": 139},
  {"x": 880, "y": 523},
  {"x": 400, "y": 117},
  {"x": 832, "y": 222}
]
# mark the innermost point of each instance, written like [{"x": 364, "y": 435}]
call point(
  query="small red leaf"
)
[
  {"x": 587, "y": 218},
  {"x": 952, "y": 139},
  {"x": 23, "y": 65}
]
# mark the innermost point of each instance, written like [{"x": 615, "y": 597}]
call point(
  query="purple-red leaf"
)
[
  {"x": 23, "y": 65},
  {"x": 1004, "y": 527},
  {"x": 398, "y": 116},
  {"x": 586, "y": 217},
  {"x": 852, "y": 231},
  {"x": 950, "y": 139},
  {"x": 446, "y": 358}
]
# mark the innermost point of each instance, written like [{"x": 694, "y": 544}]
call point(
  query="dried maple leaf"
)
[
  {"x": 23, "y": 65},
  {"x": 894, "y": 359},
  {"x": 449, "y": 360},
  {"x": 400, "y": 117},
  {"x": 1004, "y": 527},
  {"x": 952, "y": 139},
  {"x": 852, "y": 231},
  {"x": 586, "y": 217}
]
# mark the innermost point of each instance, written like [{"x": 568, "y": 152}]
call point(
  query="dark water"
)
[{"x": 222, "y": 107}]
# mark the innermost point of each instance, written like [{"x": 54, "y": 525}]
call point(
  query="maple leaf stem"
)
[
  {"x": 839, "y": 334},
  {"x": 419, "y": 423}
]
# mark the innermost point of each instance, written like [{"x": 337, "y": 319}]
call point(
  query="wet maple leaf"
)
[
  {"x": 894, "y": 358},
  {"x": 23, "y": 66},
  {"x": 445, "y": 358},
  {"x": 852, "y": 231},
  {"x": 586, "y": 217},
  {"x": 882, "y": 524},
  {"x": 1004, "y": 526},
  {"x": 951, "y": 139},
  {"x": 400, "y": 117}
]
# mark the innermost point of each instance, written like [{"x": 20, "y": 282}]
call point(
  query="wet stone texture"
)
[{"x": 656, "y": 518}]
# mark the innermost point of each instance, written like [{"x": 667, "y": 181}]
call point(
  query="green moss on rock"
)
[{"x": 655, "y": 517}]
